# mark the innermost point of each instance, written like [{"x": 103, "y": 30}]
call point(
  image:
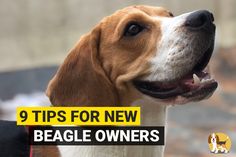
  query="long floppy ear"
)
[
  {"x": 217, "y": 139},
  {"x": 209, "y": 139},
  {"x": 81, "y": 80}
]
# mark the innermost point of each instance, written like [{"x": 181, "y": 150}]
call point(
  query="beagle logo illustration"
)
[{"x": 219, "y": 143}]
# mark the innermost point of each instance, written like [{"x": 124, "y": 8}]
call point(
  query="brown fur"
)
[
  {"x": 81, "y": 79},
  {"x": 98, "y": 71},
  {"x": 101, "y": 67},
  {"x": 217, "y": 139}
]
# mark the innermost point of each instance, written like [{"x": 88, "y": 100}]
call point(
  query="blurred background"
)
[{"x": 36, "y": 35}]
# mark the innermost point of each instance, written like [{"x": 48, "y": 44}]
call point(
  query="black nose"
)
[{"x": 199, "y": 19}]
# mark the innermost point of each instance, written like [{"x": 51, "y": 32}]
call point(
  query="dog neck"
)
[{"x": 152, "y": 114}]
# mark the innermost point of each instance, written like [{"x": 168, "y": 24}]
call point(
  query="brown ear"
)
[
  {"x": 209, "y": 139},
  {"x": 81, "y": 80},
  {"x": 217, "y": 139}
]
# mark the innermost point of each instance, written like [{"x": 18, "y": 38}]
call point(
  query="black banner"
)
[
  {"x": 13, "y": 140},
  {"x": 142, "y": 135}
]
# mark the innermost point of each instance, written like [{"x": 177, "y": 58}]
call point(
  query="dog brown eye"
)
[{"x": 133, "y": 29}]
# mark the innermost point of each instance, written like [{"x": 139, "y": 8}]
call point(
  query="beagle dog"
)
[
  {"x": 213, "y": 139},
  {"x": 139, "y": 56},
  {"x": 217, "y": 145}
]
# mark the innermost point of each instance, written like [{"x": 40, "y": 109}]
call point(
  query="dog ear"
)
[
  {"x": 81, "y": 80},
  {"x": 217, "y": 139},
  {"x": 209, "y": 139}
]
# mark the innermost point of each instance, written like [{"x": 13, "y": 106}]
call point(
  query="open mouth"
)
[{"x": 198, "y": 83}]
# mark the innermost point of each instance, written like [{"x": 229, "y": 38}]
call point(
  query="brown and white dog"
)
[
  {"x": 140, "y": 55},
  {"x": 217, "y": 145}
]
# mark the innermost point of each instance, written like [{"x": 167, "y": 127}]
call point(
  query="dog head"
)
[
  {"x": 139, "y": 51},
  {"x": 213, "y": 138}
]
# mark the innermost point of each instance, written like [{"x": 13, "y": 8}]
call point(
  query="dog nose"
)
[{"x": 199, "y": 19}]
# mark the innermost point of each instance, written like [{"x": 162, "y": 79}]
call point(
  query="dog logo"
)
[{"x": 219, "y": 143}]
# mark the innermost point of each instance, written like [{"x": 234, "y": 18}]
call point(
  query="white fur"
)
[
  {"x": 152, "y": 114},
  {"x": 174, "y": 52}
]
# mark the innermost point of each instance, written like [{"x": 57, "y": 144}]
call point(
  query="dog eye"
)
[{"x": 133, "y": 29}]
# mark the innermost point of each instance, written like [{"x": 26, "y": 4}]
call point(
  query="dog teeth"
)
[
  {"x": 196, "y": 79},
  {"x": 206, "y": 80}
]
